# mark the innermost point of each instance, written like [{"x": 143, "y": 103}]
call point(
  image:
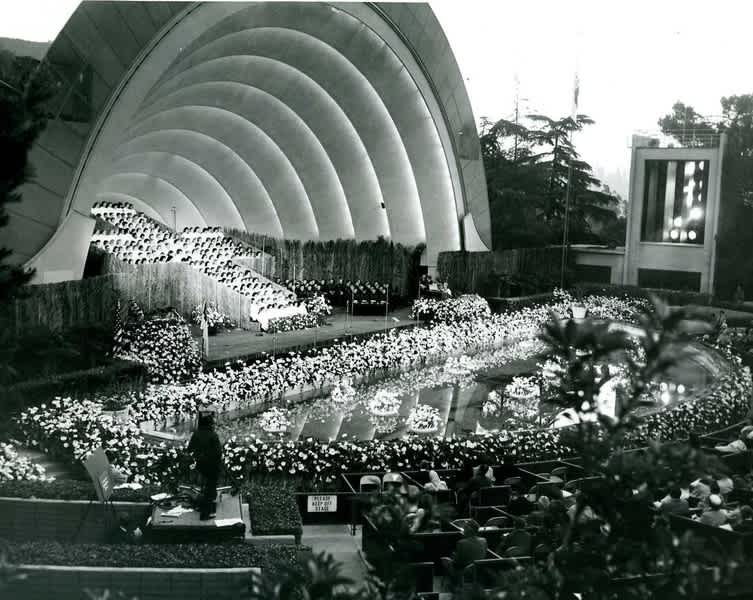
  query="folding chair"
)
[
  {"x": 501, "y": 522},
  {"x": 369, "y": 484}
]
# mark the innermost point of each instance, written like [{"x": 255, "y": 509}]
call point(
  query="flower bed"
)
[
  {"x": 470, "y": 307},
  {"x": 384, "y": 404}
]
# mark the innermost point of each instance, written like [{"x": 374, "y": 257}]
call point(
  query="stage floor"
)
[
  {"x": 228, "y": 523},
  {"x": 238, "y": 344}
]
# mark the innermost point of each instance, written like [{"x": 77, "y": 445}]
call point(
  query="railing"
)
[{"x": 678, "y": 138}]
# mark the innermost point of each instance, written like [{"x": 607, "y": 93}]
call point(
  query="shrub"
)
[
  {"x": 99, "y": 380},
  {"x": 165, "y": 556},
  {"x": 41, "y": 351}
]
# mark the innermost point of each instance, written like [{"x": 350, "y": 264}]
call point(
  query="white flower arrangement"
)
[
  {"x": 274, "y": 420},
  {"x": 214, "y": 317},
  {"x": 523, "y": 388},
  {"x": 385, "y": 425},
  {"x": 164, "y": 345},
  {"x": 384, "y": 404},
  {"x": 469, "y": 307},
  {"x": 493, "y": 404},
  {"x": 424, "y": 419},
  {"x": 342, "y": 394}
]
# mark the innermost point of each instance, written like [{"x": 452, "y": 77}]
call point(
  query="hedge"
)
[
  {"x": 122, "y": 374},
  {"x": 166, "y": 556},
  {"x": 66, "y": 489},
  {"x": 273, "y": 507}
]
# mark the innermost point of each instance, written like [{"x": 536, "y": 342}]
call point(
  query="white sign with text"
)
[{"x": 322, "y": 504}]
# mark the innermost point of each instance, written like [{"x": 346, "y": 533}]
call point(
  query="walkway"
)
[
  {"x": 52, "y": 468},
  {"x": 344, "y": 548}
]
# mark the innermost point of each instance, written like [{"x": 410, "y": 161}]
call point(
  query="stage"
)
[
  {"x": 248, "y": 344},
  {"x": 231, "y": 522}
]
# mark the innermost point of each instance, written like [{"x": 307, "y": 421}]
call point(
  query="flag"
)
[{"x": 576, "y": 93}]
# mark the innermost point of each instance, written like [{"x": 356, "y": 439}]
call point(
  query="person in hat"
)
[
  {"x": 714, "y": 515},
  {"x": 207, "y": 452}
]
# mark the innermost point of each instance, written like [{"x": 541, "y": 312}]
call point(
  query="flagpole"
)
[{"x": 568, "y": 188}]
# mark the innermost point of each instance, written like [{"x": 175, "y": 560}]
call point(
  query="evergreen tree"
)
[
  {"x": 527, "y": 171},
  {"x": 25, "y": 88}
]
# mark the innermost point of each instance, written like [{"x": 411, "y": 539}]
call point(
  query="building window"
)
[
  {"x": 674, "y": 201},
  {"x": 685, "y": 281}
]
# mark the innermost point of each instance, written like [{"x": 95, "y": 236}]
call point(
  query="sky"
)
[{"x": 634, "y": 59}]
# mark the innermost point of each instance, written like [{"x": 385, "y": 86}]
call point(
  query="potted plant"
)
[
  {"x": 577, "y": 307},
  {"x": 117, "y": 407},
  {"x": 423, "y": 419}
]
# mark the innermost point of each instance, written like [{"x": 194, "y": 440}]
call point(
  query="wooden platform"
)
[{"x": 230, "y": 522}]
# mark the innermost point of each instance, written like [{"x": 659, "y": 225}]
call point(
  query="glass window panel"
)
[
  {"x": 136, "y": 18},
  {"x": 159, "y": 12},
  {"x": 60, "y": 85},
  {"x": 63, "y": 52},
  {"x": 77, "y": 109},
  {"x": 674, "y": 201},
  {"x": 62, "y": 140},
  {"x": 108, "y": 23}
]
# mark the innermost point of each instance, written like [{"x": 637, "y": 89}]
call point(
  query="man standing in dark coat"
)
[{"x": 207, "y": 451}]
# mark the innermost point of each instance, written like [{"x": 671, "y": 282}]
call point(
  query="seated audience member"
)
[
  {"x": 745, "y": 522},
  {"x": 674, "y": 504},
  {"x": 467, "y": 489},
  {"x": 714, "y": 515},
  {"x": 725, "y": 483},
  {"x": 587, "y": 514},
  {"x": 484, "y": 468},
  {"x": 435, "y": 483},
  {"x": 519, "y": 504},
  {"x": 410, "y": 502},
  {"x": 743, "y": 443},
  {"x": 700, "y": 490},
  {"x": 470, "y": 548},
  {"x": 422, "y": 519}
]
